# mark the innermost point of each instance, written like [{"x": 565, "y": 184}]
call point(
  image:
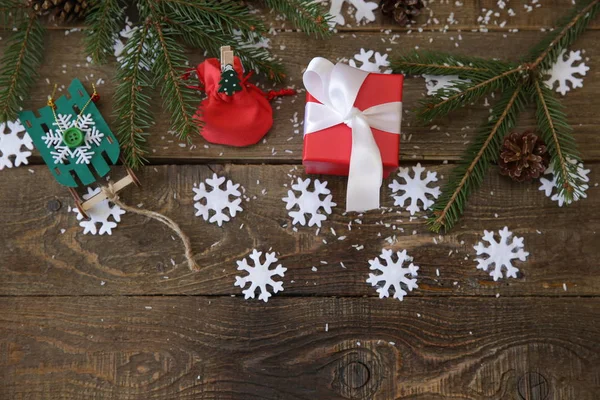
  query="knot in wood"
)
[
  {"x": 533, "y": 386},
  {"x": 355, "y": 375},
  {"x": 53, "y": 205}
]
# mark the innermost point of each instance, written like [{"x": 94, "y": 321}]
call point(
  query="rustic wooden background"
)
[{"x": 121, "y": 317}]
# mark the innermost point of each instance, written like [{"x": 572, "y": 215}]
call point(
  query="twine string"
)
[{"x": 112, "y": 195}]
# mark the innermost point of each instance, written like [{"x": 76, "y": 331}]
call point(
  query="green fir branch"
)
[
  {"x": 569, "y": 29},
  {"x": 104, "y": 20},
  {"x": 228, "y": 16},
  {"x": 306, "y": 15},
  {"x": 132, "y": 100},
  {"x": 463, "y": 93},
  {"x": 557, "y": 134},
  {"x": 434, "y": 63},
  {"x": 168, "y": 68},
  {"x": 256, "y": 59},
  {"x": 12, "y": 12},
  {"x": 20, "y": 64},
  {"x": 470, "y": 173}
]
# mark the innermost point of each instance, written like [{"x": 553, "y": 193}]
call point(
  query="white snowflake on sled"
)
[
  {"x": 259, "y": 276},
  {"x": 500, "y": 253},
  {"x": 415, "y": 189},
  {"x": 393, "y": 274},
  {"x": 367, "y": 65},
  {"x": 12, "y": 143},
  {"x": 563, "y": 70},
  {"x": 81, "y": 154},
  {"x": 217, "y": 200},
  {"x": 434, "y": 83},
  {"x": 99, "y": 215},
  {"x": 309, "y": 202},
  {"x": 364, "y": 10},
  {"x": 551, "y": 189}
]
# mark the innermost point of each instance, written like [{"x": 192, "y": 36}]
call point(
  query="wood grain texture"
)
[
  {"x": 38, "y": 259},
  {"x": 447, "y": 140},
  {"x": 175, "y": 348}
]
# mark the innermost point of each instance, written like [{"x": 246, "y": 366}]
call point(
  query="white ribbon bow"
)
[{"x": 336, "y": 87}]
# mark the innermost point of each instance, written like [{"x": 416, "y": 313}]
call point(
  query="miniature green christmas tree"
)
[{"x": 230, "y": 82}]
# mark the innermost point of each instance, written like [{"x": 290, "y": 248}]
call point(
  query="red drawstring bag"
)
[{"x": 241, "y": 119}]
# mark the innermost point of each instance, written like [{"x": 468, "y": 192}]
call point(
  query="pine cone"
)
[
  {"x": 403, "y": 11},
  {"x": 523, "y": 156},
  {"x": 62, "y": 10}
]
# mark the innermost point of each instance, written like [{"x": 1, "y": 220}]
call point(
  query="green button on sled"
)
[{"x": 73, "y": 137}]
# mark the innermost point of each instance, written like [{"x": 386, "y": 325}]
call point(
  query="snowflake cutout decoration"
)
[
  {"x": 309, "y": 202},
  {"x": 364, "y": 57},
  {"x": 149, "y": 54},
  {"x": 393, "y": 274},
  {"x": 99, "y": 215},
  {"x": 564, "y": 70},
  {"x": 364, "y": 10},
  {"x": 259, "y": 276},
  {"x": 81, "y": 154},
  {"x": 415, "y": 189},
  {"x": 434, "y": 83},
  {"x": 217, "y": 200},
  {"x": 12, "y": 143},
  {"x": 500, "y": 253},
  {"x": 551, "y": 189}
]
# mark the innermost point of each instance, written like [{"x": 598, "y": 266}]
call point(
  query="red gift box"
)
[{"x": 328, "y": 151}]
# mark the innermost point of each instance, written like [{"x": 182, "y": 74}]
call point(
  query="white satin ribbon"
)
[{"x": 336, "y": 87}]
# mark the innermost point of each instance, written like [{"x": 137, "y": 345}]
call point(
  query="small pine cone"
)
[
  {"x": 403, "y": 11},
  {"x": 523, "y": 156},
  {"x": 62, "y": 10}
]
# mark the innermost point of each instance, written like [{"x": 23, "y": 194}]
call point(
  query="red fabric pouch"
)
[{"x": 238, "y": 120}]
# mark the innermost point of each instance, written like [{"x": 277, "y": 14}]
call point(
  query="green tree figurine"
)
[{"x": 230, "y": 82}]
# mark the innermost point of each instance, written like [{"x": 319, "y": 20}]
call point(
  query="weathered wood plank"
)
[
  {"x": 284, "y": 142},
  {"x": 39, "y": 259},
  {"x": 303, "y": 348}
]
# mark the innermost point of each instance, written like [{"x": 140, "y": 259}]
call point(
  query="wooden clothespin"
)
[{"x": 226, "y": 56}]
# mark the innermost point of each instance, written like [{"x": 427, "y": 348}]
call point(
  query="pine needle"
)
[
  {"x": 20, "y": 65},
  {"x": 476, "y": 161},
  {"x": 103, "y": 20}
]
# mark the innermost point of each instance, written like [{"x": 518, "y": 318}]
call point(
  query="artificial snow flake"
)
[
  {"x": 551, "y": 189},
  {"x": 99, "y": 215},
  {"x": 367, "y": 65},
  {"x": 433, "y": 83},
  {"x": 393, "y": 274},
  {"x": 81, "y": 154},
  {"x": 259, "y": 276},
  {"x": 12, "y": 143},
  {"x": 563, "y": 70},
  {"x": 364, "y": 10},
  {"x": 217, "y": 200},
  {"x": 415, "y": 189},
  {"x": 309, "y": 202},
  {"x": 500, "y": 253}
]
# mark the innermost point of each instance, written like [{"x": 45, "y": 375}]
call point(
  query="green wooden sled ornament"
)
[{"x": 76, "y": 143}]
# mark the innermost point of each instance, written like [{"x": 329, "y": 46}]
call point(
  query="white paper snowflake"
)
[
  {"x": 379, "y": 65},
  {"x": 433, "y": 83},
  {"x": 99, "y": 215},
  {"x": 149, "y": 54},
  {"x": 393, "y": 274},
  {"x": 61, "y": 152},
  {"x": 415, "y": 189},
  {"x": 14, "y": 144},
  {"x": 500, "y": 253},
  {"x": 564, "y": 70},
  {"x": 217, "y": 200},
  {"x": 309, "y": 202},
  {"x": 551, "y": 189},
  {"x": 259, "y": 276},
  {"x": 364, "y": 10}
]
